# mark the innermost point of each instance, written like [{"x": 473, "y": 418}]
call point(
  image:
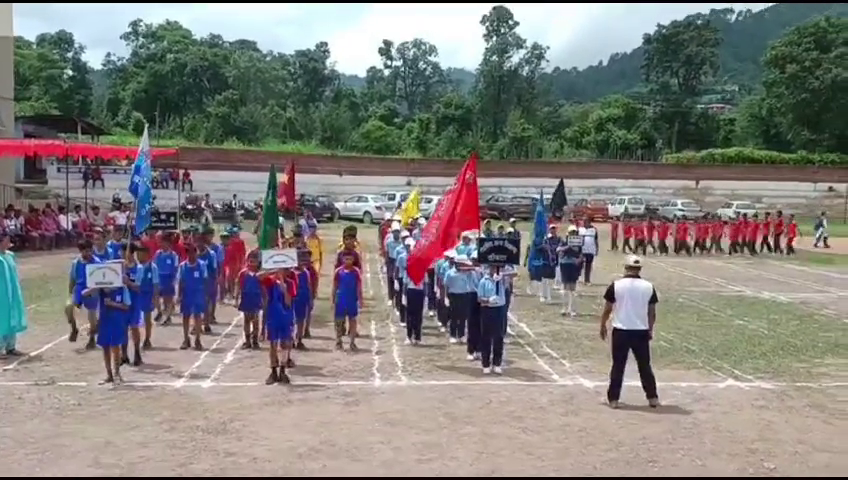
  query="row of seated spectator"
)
[
  {"x": 162, "y": 178},
  {"x": 49, "y": 228}
]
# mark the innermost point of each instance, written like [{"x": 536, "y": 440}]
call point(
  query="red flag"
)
[
  {"x": 285, "y": 189},
  {"x": 457, "y": 212}
]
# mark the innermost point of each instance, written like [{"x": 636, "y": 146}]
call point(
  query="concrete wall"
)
[
  {"x": 793, "y": 196},
  {"x": 7, "y": 90}
]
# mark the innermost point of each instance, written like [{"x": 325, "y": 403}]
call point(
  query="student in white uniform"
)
[{"x": 590, "y": 248}]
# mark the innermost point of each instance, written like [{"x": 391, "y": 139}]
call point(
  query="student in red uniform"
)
[
  {"x": 734, "y": 230},
  {"x": 626, "y": 246},
  {"x": 791, "y": 233},
  {"x": 681, "y": 238},
  {"x": 614, "y": 228},
  {"x": 716, "y": 233},
  {"x": 753, "y": 234},
  {"x": 702, "y": 233},
  {"x": 778, "y": 232},
  {"x": 663, "y": 230},
  {"x": 639, "y": 237},
  {"x": 234, "y": 258},
  {"x": 765, "y": 234},
  {"x": 650, "y": 228}
]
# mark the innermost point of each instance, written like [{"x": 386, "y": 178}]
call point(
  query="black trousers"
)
[
  {"x": 458, "y": 313},
  {"x": 623, "y": 342},
  {"x": 491, "y": 336},
  {"x": 431, "y": 290},
  {"x": 390, "y": 277},
  {"x": 399, "y": 306},
  {"x": 442, "y": 311},
  {"x": 473, "y": 340},
  {"x": 588, "y": 260},
  {"x": 414, "y": 313},
  {"x": 778, "y": 248}
]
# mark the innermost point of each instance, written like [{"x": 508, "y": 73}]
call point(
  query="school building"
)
[{"x": 7, "y": 93}]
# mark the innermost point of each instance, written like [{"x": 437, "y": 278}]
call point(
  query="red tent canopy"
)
[{"x": 19, "y": 147}]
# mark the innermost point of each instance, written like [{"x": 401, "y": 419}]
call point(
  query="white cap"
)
[
  {"x": 409, "y": 242},
  {"x": 421, "y": 221},
  {"x": 404, "y": 234},
  {"x": 395, "y": 226},
  {"x": 633, "y": 261},
  {"x": 450, "y": 253},
  {"x": 387, "y": 216},
  {"x": 510, "y": 230},
  {"x": 572, "y": 228},
  {"x": 512, "y": 220},
  {"x": 462, "y": 259}
]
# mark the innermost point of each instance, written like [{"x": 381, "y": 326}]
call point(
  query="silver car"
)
[
  {"x": 680, "y": 208},
  {"x": 367, "y": 208}
]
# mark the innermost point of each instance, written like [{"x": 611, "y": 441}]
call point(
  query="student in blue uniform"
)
[
  {"x": 132, "y": 276},
  {"x": 100, "y": 249},
  {"x": 250, "y": 298},
  {"x": 208, "y": 235},
  {"x": 491, "y": 296},
  {"x": 415, "y": 297},
  {"x": 148, "y": 290},
  {"x": 76, "y": 287},
  {"x": 207, "y": 256},
  {"x": 570, "y": 254},
  {"x": 192, "y": 277},
  {"x": 115, "y": 308},
  {"x": 280, "y": 323},
  {"x": 116, "y": 243},
  {"x": 474, "y": 322},
  {"x": 391, "y": 244},
  {"x": 400, "y": 276},
  {"x": 457, "y": 285},
  {"x": 167, "y": 261},
  {"x": 442, "y": 267},
  {"x": 302, "y": 301},
  {"x": 347, "y": 299},
  {"x": 508, "y": 274}
]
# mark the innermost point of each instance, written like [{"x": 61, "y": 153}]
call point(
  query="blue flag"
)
[
  {"x": 140, "y": 185},
  {"x": 540, "y": 223}
]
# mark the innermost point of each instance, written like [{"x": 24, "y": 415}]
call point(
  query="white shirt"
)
[
  {"x": 63, "y": 222},
  {"x": 119, "y": 217},
  {"x": 12, "y": 225},
  {"x": 589, "y": 245},
  {"x": 630, "y": 297}
]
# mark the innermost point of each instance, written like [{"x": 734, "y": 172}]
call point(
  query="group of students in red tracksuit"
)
[{"x": 706, "y": 235}]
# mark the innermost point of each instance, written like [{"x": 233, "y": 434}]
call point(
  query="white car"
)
[
  {"x": 732, "y": 210},
  {"x": 427, "y": 205},
  {"x": 626, "y": 206},
  {"x": 396, "y": 198},
  {"x": 367, "y": 208}
]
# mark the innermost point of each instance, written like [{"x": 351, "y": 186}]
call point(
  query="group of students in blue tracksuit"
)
[{"x": 470, "y": 301}]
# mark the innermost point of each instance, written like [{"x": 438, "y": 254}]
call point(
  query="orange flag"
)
[{"x": 285, "y": 189}]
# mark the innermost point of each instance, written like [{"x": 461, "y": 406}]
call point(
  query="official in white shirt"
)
[
  {"x": 590, "y": 248},
  {"x": 631, "y": 301}
]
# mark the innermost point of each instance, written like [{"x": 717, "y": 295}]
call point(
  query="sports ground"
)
[{"x": 751, "y": 356}]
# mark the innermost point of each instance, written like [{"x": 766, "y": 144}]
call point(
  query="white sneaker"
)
[
  {"x": 461, "y": 340},
  {"x": 487, "y": 371},
  {"x": 407, "y": 342},
  {"x": 542, "y": 299},
  {"x": 442, "y": 329},
  {"x": 563, "y": 312},
  {"x": 431, "y": 314},
  {"x": 477, "y": 356},
  {"x": 470, "y": 357},
  {"x": 498, "y": 370},
  {"x": 388, "y": 303},
  {"x": 453, "y": 341},
  {"x": 416, "y": 342},
  {"x": 572, "y": 314}
]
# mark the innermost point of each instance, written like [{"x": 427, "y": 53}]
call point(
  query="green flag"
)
[{"x": 270, "y": 226}]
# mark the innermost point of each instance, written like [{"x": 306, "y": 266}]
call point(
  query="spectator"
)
[
  {"x": 86, "y": 175},
  {"x": 118, "y": 216},
  {"x": 50, "y": 228},
  {"x": 79, "y": 221},
  {"x": 97, "y": 218},
  {"x": 13, "y": 227},
  {"x": 175, "y": 177},
  {"x": 33, "y": 229},
  {"x": 116, "y": 200},
  {"x": 97, "y": 176},
  {"x": 163, "y": 179},
  {"x": 67, "y": 232},
  {"x": 187, "y": 180}
]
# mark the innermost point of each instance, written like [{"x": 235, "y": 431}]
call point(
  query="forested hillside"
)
[{"x": 644, "y": 104}]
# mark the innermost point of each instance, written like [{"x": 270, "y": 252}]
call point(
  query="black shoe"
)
[
  {"x": 307, "y": 334},
  {"x": 186, "y": 344},
  {"x": 272, "y": 378},
  {"x": 207, "y": 329},
  {"x": 255, "y": 344},
  {"x": 167, "y": 320},
  {"x": 92, "y": 343},
  {"x": 290, "y": 363},
  {"x": 72, "y": 337},
  {"x": 197, "y": 345},
  {"x": 300, "y": 346},
  {"x": 339, "y": 345},
  {"x": 125, "y": 360},
  {"x": 353, "y": 347},
  {"x": 137, "y": 360},
  {"x": 147, "y": 345},
  {"x": 158, "y": 317},
  {"x": 245, "y": 345},
  {"x": 283, "y": 378},
  {"x": 12, "y": 352}
]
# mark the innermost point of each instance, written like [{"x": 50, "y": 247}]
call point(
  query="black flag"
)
[{"x": 558, "y": 200}]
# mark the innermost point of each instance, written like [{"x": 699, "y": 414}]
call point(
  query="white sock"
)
[
  {"x": 547, "y": 286},
  {"x": 564, "y": 294},
  {"x": 570, "y": 300}
]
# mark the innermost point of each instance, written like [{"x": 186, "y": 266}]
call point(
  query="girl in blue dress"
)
[
  {"x": 192, "y": 296},
  {"x": 280, "y": 324},
  {"x": 302, "y": 301},
  {"x": 167, "y": 261},
  {"x": 346, "y": 298},
  {"x": 570, "y": 254},
  {"x": 115, "y": 308},
  {"x": 250, "y": 299}
]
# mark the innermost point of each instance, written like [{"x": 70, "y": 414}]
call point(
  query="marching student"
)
[
  {"x": 208, "y": 237},
  {"x": 279, "y": 324},
  {"x": 442, "y": 267},
  {"x": 391, "y": 244},
  {"x": 650, "y": 228},
  {"x": 400, "y": 276},
  {"x": 167, "y": 261},
  {"x": 639, "y": 244},
  {"x": 735, "y": 229},
  {"x": 779, "y": 226},
  {"x": 614, "y": 228},
  {"x": 135, "y": 319},
  {"x": 627, "y": 233},
  {"x": 346, "y": 299},
  {"x": 465, "y": 246},
  {"x": 702, "y": 232},
  {"x": 303, "y": 299},
  {"x": 99, "y": 247},
  {"x": 753, "y": 234},
  {"x": 663, "y": 231},
  {"x": 116, "y": 243},
  {"x": 349, "y": 247},
  {"x": 570, "y": 255},
  {"x": 549, "y": 268},
  {"x": 590, "y": 247},
  {"x": 115, "y": 308},
  {"x": 508, "y": 275},
  {"x": 473, "y": 326},
  {"x": 457, "y": 284},
  {"x": 681, "y": 238},
  {"x": 76, "y": 288},
  {"x": 491, "y": 297},
  {"x": 234, "y": 258},
  {"x": 250, "y": 298},
  {"x": 207, "y": 256},
  {"x": 791, "y": 233},
  {"x": 765, "y": 234},
  {"x": 716, "y": 233},
  {"x": 415, "y": 293},
  {"x": 193, "y": 294}
]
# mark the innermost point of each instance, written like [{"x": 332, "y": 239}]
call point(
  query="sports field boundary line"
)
[
  {"x": 39, "y": 351},
  {"x": 730, "y": 383},
  {"x": 375, "y": 344},
  {"x": 390, "y": 318},
  {"x": 220, "y": 338}
]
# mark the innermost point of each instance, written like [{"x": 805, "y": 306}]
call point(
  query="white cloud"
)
[{"x": 578, "y": 34}]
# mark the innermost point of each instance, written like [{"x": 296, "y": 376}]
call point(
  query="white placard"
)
[
  {"x": 104, "y": 275},
  {"x": 279, "y": 258}
]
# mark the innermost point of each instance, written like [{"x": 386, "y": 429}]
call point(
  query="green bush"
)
[{"x": 752, "y": 156}]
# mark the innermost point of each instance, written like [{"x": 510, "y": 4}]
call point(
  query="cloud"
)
[{"x": 578, "y": 34}]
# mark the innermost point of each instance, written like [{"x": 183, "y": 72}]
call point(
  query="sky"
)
[{"x": 577, "y": 34}]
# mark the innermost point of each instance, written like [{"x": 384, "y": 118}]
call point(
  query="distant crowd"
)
[{"x": 50, "y": 228}]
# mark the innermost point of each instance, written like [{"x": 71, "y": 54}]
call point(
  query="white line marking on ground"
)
[
  {"x": 231, "y": 355},
  {"x": 744, "y": 321},
  {"x": 811, "y": 270},
  {"x": 547, "y": 349},
  {"x": 393, "y": 334},
  {"x": 789, "y": 280},
  {"x": 203, "y": 355},
  {"x": 41, "y": 350},
  {"x": 375, "y": 346},
  {"x": 545, "y": 366}
]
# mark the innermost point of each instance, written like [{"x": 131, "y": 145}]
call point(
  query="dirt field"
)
[{"x": 751, "y": 355}]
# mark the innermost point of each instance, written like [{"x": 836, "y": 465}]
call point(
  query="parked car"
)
[
  {"x": 626, "y": 206},
  {"x": 505, "y": 207},
  {"x": 367, "y": 208},
  {"x": 427, "y": 204},
  {"x": 595, "y": 209},
  {"x": 731, "y": 210},
  {"x": 680, "y": 208},
  {"x": 397, "y": 198},
  {"x": 322, "y": 207}
]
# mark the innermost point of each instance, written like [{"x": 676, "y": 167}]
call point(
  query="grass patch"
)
[{"x": 821, "y": 259}]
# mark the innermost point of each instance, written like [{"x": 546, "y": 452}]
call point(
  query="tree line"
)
[{"x": 210, "y": 90}]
